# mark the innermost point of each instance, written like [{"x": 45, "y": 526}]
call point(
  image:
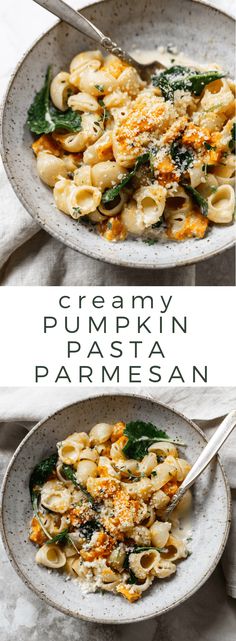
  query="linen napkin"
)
[{"x": 22, "y": 611}]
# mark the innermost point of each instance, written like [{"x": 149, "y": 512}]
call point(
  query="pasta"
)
[
  {"x": 160, "y": 155},
  {"x": 100, "y": 513}
]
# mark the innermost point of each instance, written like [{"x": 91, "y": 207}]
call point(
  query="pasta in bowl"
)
[
  {"x": 140, "y": 29},
  {"x": 154, "y": 160},
  {"x": 99, "y": 515},
  {"x": 54, "y": 494}
]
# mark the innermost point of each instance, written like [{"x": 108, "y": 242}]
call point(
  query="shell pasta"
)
[
  {"x": 151, "y": 159},
  {"x": 99, "y": 508}
]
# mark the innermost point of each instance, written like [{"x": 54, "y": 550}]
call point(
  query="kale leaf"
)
[
  {"x": 87, "y": 529},
  {"x": 183, "y": 78},
  {"x": 111, "y": 194},
  {"x": 41, "y": 472},
  {"x": 145, "y": 548},
  {"x": 140, "y": 436},
  {"x": 196, "y": 196},
  {"x": 62, "y": 537},
  {"x": 181, "y": 156},
  {"x": 69, "y": 474},
  {"x": 43, "y": 117},
  {"x": 232, "y": 142}
]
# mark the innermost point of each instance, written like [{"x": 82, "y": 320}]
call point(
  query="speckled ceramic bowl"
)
[
  {"x": 210, "y": 521},
  {"x": 196, "y": 29}
]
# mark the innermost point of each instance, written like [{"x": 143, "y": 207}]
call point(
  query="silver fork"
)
[
  {"x": 206, "y": 456},
  {"x": 78, "y": 21}
]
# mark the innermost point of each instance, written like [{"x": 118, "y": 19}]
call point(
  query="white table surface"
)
[{"x": 37, "y": 259}]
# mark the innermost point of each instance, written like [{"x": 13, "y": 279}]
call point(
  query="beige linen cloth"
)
[
  {"x": 28, "y": 255},
  {"x": 209, "y": 615}
]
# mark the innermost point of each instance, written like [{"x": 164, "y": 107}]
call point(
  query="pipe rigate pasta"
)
[
  {"x": 100, "y": 514},
  {"x": 154, "y": 147}
]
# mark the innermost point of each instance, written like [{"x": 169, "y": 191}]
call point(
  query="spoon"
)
[
  {"x": 78, "y": 21},
  {"x": 211, "y": 449}
]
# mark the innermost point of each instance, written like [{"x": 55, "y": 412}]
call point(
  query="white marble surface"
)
[
  {"x": 28, "y": 255},
  {"x": 208, "y": 616}
]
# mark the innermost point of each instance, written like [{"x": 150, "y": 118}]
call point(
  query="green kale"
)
[
  {"x": 111, "y": 194},
  {"x": 87, "y": 529},
  {"x": 145, "y": 548},
  {"x": 39, "y": 476},
  {"x": 41, "y": 473},
  {"x": 99, "y": 88},
  {"x": 140, "y": 436},
  {"x": 181, "y": 156},
  {"x": 208, "y": 146},
  {"x": 198, "y": 199},
  {"x": 62, "y": 537},
  {"x": 232, "y": 142},
  {"x": 183, "y": 78},
  {"x": 150, "y": 241},
  {"x": 43, "y": 117}
]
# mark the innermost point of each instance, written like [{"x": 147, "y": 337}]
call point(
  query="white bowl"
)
[
  {"x": 210, "y": 519},
  {"x": 200, "y": 31}
]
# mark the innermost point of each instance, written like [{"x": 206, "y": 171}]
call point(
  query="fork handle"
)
[
  {"x": 207, "y": 454},
  {"x": 78, "y": 21}
]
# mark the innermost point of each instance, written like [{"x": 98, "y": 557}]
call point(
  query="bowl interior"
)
[
  {"x": 190, "y": 26},
  {"x": 209, "y": 519}
]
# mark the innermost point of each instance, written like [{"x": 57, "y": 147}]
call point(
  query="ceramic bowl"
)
[
  {"x": 210, "y": 514},
  {"x": 196, "y": 29}
]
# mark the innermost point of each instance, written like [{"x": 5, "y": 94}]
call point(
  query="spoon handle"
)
[
  {"x": 78, "y": 21},
  {"x": 211, "y": 449}
]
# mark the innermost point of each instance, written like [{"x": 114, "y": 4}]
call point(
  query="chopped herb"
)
[
  {"x": 178, "y": 77},
  {"x": 111, "y": 194},
  {"x": 181, "y": 156},
  {"x": 150, "y": 241},
  {"x": 214, "y": 107},
  {"x": 208, "y": 146},
  {"x": 99, "y": 88},
  {"x": 77, "y": 210},
  {"x": 154, "y": 473},
  {"x": 232, "y": 142},
  {"x": 158, "y": 223},
  {"x": 132, "y": 578},
  {"x": 106, "y": 112},
  {"x": 62, "y": 537},
  {"x": 196, "y": 196},
  {"x": 35, "y": 500},
  {"x": 140, "y": 436},
  {"x": 44, "y": 118},
  {"x": 69, "y": 474}
]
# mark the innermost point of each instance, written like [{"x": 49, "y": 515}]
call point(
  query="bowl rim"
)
[
  {"x": 84, "y": 250},
  {"x": 49, "y": 600}
]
